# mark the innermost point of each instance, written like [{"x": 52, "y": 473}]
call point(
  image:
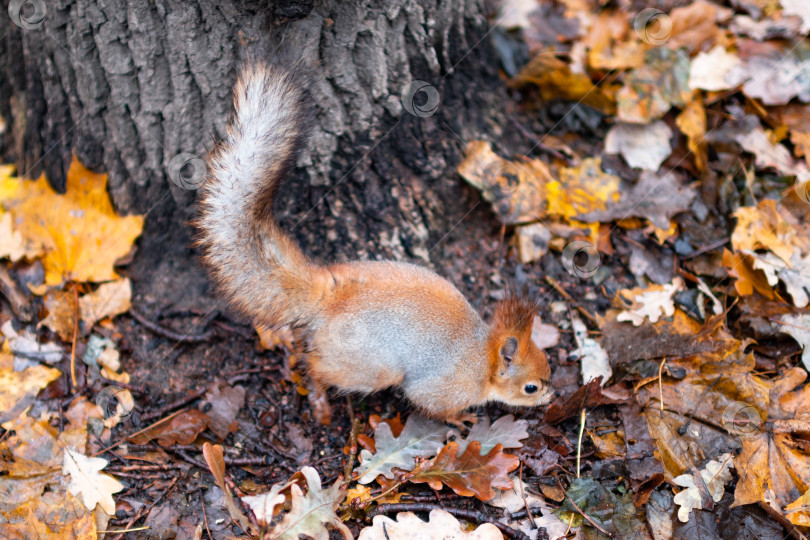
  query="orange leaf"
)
[{"x": 471, "y": 474}]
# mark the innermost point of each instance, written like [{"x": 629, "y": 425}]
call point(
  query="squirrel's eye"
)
[{"x": 530, "y": 388}]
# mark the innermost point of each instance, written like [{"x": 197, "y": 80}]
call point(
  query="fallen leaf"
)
[
  {"x": 441, "y": 525},
  {"x": 87, "y": 480},
  {"x": 471, "y": 474},
  {"x": 506, "y": 431},
  {"x": 796, "y": 277},
  {"x": 798, "y": 327},
  {"x": 587, "y": 396},
  {"x": 748, "y": 279},
  {"x": 593, "y": 358},
  {"x": 651, "y": 90},
  {"x": 608, "y": 45},
  {"x": 221, "y": 404},
  {"x": 182, "y": 428},
  {"x": 767, "y": 154},
  {"x": 656, "y": 198},
  {"x": 696, "y": 25},
  {"x": 799, "y": 8},
  {"x": 692, "y": 123},
  {"x": 310, "y": 512},
  {"x": 765, "y": 227},
  {"x": 515, "y": 188},
  {"x": 651, "y": 303},
  {"x": 79, "y": 231},
  {"x": 19, "y": 388},
  {"x": 715, "y": 70},
  {"x": 264, "y": 505},
  {"x": 714, "y": 477},
  {"x": 775, "y": 72},
  {"x": 12, "y": 243},
  {"x": 421, "y": 438},
  {"x": 533, "y": 241},
  {"x": 644, "y": 146},
  {"x": 108, "y": 300},
  {"x": 544, "y": 335}
]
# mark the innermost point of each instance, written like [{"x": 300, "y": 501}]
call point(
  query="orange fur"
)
[{"x": 368, "y": 325}]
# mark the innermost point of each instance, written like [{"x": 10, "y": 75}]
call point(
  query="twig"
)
[
  {"x": 205, "y": 516},
  {"x": 583, "y": 514},
  {"x": 557, "y": 286},
  {"x": 470, "y": 515},
  {"x": 661, "y": 384},
  {"x": 347, "y": 468},
  {"x": 523, "y": 496},
  {"x": 170, "y": 334}
]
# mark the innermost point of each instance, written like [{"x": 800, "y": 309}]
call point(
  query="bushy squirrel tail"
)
[{"x": 252, "y": 262}]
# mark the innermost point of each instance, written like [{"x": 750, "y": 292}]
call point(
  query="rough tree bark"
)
[{"x": 127, "y": 87}]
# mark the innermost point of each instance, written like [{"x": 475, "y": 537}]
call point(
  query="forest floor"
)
[{"x": 658, "y": 209}]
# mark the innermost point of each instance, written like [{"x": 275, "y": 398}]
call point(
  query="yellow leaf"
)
[
  {"x": 16, "y": 386},
  {"x": 692, "y": 123},
  {"x": 79, "y": 231},
  {"x": 109, "y": 300}
]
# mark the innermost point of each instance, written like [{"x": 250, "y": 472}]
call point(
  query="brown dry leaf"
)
[
  {"x": 747, "y": 279},
  {"x": 768, "y": 226},
  {"x": 516, "y": 189},
  {"x": 471, "y": 474},
  {"x": 19, "y": 388},
  {"x": 182, "y": 428},
  {"x": 768, "y": 154},
  {"x": 79, "y": 231},
  {"x": 394, "y": 423},
  {"x": 799, "y": 510},
  {"x": 775, "y": 71},
  {"x": 611, "y": 44},
  {"x": 695, "y": 26},
  {"x": 108, "y": 300},
  {"x": 555, "y": 80},
  {"x": 587, "y": 396},
  {"x": 225, "y": 403},
  {"x": 692, "y": 123},
  {"x": 715, "y": 70},
  {"x": 215, "y": 460}
]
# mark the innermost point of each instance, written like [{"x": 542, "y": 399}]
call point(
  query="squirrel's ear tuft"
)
[
  {"x": 509, "y": 349},
  {"x": 515, "y": 313}
]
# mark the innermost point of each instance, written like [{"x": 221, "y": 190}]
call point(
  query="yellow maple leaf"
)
[{"x": 80, "y": 232}]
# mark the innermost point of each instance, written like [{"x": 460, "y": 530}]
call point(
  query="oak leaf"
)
[
  {"x": 472, "y": 474},
  {"x": 312, "y": 510},
  {"x": 505, "y": 431},
  {"x": 88, "y": 481},
  {"x": 441, "y": 525},
  {"x": 421, "y": 438},
  {"x": 652, "y": 303}
]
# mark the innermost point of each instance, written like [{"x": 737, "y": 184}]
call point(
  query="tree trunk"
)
[{"x": 129, "y": 88}]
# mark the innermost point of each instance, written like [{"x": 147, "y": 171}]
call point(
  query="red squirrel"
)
[{"x": 368, "y": 325}]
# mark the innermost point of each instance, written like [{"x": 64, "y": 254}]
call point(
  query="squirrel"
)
[{"x": 368, "y": 325}]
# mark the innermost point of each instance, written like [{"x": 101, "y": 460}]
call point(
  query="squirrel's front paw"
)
[
  {"x": 457, "y": 420},
  {"x": 319, "y": 402}
]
